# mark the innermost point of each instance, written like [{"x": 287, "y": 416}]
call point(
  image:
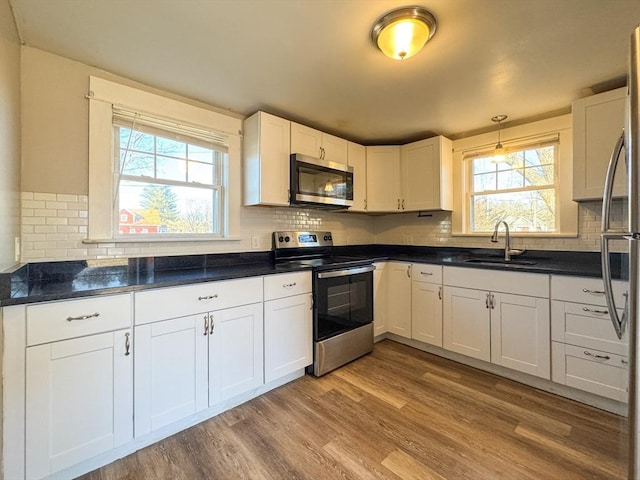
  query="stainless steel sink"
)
[{"x": 500, "y": 261}]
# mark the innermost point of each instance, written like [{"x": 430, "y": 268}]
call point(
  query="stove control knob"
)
[
  {"x": 286, "y": 239},
  {"x": 327, "y": 237},
  {"x": 281, "y": 239}
]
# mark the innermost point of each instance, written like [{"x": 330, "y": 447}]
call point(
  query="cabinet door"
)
[
  {"x": 305, "y": 140},
  {"x": 380, "y": 286},
  {"x": 426, "y": 312},
  {"x": 399, "y": 298},
  {"x": 597, "y": 123},
  {"x": 357, "y": 158},
  {"x": 520, "y": 334},
  {"x": 335, "y": 149},
  {"x": 79, "y": 400},
  {"x": 288, "y": 336},
  {"x": 171, "y": 371},
  {"x": 466, "y": 322},
  {"x": 421, "y": 175},
  {"x": 266, "y": 151},
  {"x": 235, "y": 352},
  {"x": 383, "y": 179}
]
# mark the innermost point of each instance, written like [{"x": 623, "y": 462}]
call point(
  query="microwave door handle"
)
[{"x": 607, "y": 196}]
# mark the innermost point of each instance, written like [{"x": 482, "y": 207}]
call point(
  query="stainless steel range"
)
[{"x": 342, "y": 297}]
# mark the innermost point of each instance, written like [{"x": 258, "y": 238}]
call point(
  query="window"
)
[
  {"x": 167, "y": 183},
  {"x": 160, "y": 169},
  {"x": 522, "y": 190}
]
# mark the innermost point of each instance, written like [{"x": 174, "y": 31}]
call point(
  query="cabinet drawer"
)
[
  {"x": 422, "y": 272},
  {"x": 602, "y": 373},
  {"x": 286, "y": 285},
  {"x": 50, "y": 322},
  {"x": 585, "y": 326},
  {"x": 165, "y": 303},
  {"x": 586, "y": 290}
]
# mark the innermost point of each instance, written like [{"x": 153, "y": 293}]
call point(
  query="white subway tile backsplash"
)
[{"x": 45, "y": 196}]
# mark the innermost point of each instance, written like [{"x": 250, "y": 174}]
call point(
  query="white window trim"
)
[
  {"x": 567, "y": 210},
  {"x": 104, "y": 95}
]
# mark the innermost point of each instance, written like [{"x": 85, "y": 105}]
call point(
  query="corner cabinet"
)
[
  {"x": 79, "y": 381},
  {"x": 308, "y": 141},
  {"x": 266, "y": 153},
  {"x": 597, "y": 124},
  {"x": 412, "y": 177}
]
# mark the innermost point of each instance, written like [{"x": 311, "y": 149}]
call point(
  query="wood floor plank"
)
[{"x": 397, "y": 413}]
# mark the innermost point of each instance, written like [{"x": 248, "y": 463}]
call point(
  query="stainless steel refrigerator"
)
[{"x": 625, "y": 317}]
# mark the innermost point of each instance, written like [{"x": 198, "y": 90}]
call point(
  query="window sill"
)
[
  {"x": 519, "y": 234},
  {"x": 159, "y": 240}
]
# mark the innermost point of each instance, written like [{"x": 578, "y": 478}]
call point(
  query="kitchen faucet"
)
[{"x": 508, "y": 251}]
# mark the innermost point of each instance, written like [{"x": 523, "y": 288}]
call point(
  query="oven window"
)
[{"x": 343, "y": 303}]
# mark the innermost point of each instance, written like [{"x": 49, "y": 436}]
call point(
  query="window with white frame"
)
[
  {"x": 521, "y": 188},
  {"x": 160, "y": 169},
  {"x": 169, "y": 178}
]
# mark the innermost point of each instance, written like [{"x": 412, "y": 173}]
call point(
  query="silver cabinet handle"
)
[
  {"x": 492, "y": 302},
  {"x": 595, "y": 355},
  {"x": 403, "y": 204},
  {"x": 206, "y": 324},
  {"x": 426, "y": 273},
  {"x": 83, "y": 317},
  {"x": 365, "y": 203},
  {"x": 596, "y": 292},
  {"x": 211, "y": 325},
  {"x": 127, "y": 344},
  {"x": 439, "y": 293},
  {"x": 624, "y": 362},
  {"x": 409, "y": 271},
  {"x": 208, "y": 297},
  {"x": 398, "y": 204},
  {"x": 486, "y": 301},
  {"x": 288, "y": 285},
  {"x": 593, "y": 310}
]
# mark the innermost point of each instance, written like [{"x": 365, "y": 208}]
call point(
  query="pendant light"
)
[
  {"x": 499, "y": 152},
  {"x": 402, "y": 33}
]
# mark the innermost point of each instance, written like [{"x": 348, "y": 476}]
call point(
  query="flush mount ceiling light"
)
[
  {"x": 401, "y": 33},
  {"x": 499, "y": 152}
]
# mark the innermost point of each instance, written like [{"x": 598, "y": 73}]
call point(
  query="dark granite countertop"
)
[{"x": 38, "y": 282}]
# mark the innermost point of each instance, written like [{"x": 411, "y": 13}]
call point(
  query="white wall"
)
[{"x": 9, "y": 136}]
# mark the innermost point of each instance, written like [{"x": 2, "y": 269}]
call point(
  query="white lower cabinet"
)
[
  {"x": 288, "y": 324},
  {"x": 399, "y": 298},
  {"x": 288, "y": 339},
  {"x": 79, "y": 400},
  {"x": 466, "y": 323},
  {"x": 426, "y": 304},
  {"x": 380, "y": 299},
  {"x": 187, "y": 364},
  {"x": 507, "y": 325}
]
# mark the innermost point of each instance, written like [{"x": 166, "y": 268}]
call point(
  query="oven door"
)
[{"x": 343, "y": 301}]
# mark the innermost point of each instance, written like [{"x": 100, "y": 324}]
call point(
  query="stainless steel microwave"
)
[{"x": 320, "y": 183}]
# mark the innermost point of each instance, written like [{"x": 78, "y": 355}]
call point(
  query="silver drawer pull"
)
[
  {"x": 595, "y": 355},
  {"x": 127, "y": 344},
  {"x": 624, "y": 362},
  {"x": 597, "y": 292},
  {"x": 426, "y": 273},
  {"x": 208, "y": 297},
  {"x": 593, "y": 310},
  {"x": 83, "y": 317},
  {"x": 289, "y": 285}
]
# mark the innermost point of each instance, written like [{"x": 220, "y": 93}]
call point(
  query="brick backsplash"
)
[{"x": 54, "y": 226}]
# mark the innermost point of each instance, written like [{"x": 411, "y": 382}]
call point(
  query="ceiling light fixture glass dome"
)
[{"x": 402, "y": 33}]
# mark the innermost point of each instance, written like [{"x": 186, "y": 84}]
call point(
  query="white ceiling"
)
[{"x": 312, "y": 60}]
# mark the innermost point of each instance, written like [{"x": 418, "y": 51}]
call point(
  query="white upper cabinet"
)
[
  {"x": 383, "y": 179},
  {"x": 357, "y": 156},
  {"x": 426, "y": 175},
  {"x": 266, "y": 160},
  {"x": 597, "y": 123},
  {"x": 308, "y": 141}
]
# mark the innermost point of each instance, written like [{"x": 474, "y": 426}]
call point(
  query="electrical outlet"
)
[{"x": 255, "y": 242}]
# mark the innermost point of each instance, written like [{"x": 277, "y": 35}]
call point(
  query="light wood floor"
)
[{"x": 398, "y": 413}]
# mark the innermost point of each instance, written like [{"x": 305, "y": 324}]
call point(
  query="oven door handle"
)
[{"x": 346, "y": 271}]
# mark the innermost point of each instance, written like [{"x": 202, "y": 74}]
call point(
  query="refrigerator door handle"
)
[
  {"x": 617, "y": 321},
  {"x": 608, "y": 183}
]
